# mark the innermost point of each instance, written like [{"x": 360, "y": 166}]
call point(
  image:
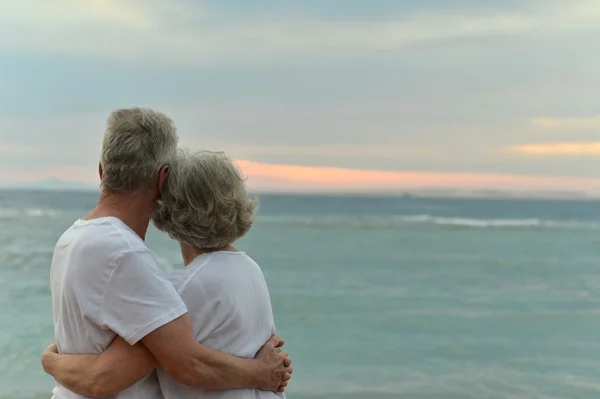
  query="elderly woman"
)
[{"x": 205, "y": 207}]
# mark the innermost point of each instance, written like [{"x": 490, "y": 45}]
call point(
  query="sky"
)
[{"x": 313, "y": 95}]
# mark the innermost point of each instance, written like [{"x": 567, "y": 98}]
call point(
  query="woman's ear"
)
[{"x": 171, "y": 236}]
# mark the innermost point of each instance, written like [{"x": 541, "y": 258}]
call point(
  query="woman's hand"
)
[
  {"x": 53, "y": 347},
  {"x": 48, "y": 356}
]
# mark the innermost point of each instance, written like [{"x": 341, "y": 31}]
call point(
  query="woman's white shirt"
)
[{"x": 230, "y": 310}]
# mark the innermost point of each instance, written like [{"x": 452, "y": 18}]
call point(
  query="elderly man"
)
[{"x": 106, "y": 285}]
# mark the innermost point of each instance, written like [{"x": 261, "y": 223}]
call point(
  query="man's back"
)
[
  {"x": 94, "y": 262},
  {"x": 230, "y": 310}
]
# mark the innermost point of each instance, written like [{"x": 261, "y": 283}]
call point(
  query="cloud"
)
[
  {"x": 560, "y": 149},
  {"x": 371, "y": 136},
  {"x": 266, "y": 176},
  {"x": 12, "y": 150},
  {"x": 190, "y": 33},
  {"x": 567, "y": 123},
  {"x": 325, "y": 150},
  {"x": 89, "y": 13},
  {"x": 298, "y": 178},
  {"x": 428, "y": 89}
]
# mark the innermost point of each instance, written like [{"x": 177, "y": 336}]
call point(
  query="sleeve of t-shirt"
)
[{"x": 138, "y": 298}]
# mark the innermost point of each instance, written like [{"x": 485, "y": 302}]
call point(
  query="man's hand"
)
[{"x": 276, "y": 365}]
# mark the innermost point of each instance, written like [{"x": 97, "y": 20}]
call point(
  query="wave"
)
[
  {"x": 17, "y": 213},
  {"x": 399, "y": 221},
  {"x": 366, "y": 221}
]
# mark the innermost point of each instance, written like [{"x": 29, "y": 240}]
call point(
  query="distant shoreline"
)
[{"x": 408, "y": 194}]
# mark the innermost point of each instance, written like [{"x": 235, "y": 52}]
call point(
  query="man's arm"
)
[
  {"x": 122, "y": 364},
  {"x": 101, "y": 375},
  {"x": 192, "y": 364}
]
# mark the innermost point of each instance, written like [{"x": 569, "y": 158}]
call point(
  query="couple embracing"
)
[{"x": 125, "y": 329}]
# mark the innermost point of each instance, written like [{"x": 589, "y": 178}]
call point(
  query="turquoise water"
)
[{"x": 375, "y": 297}]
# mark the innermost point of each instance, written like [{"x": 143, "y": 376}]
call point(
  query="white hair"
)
[
  {"x": 137, "y": 143},
  {"x": 204, "y": 202}
]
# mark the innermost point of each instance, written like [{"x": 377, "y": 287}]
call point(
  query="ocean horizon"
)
[
  {"x": 58, "y": 185},
  {"x": 377, "y": 297}
]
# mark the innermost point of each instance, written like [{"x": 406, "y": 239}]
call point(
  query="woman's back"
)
[{"x": 230, "y": 309}]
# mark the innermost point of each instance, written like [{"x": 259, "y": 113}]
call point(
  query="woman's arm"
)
[{"x": 99, "y": 376}]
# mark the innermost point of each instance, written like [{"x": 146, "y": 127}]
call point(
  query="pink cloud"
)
[
  {"x": 582, "y": 148},
  {"x": 297, "y": 178},
  {"x": 262, "y": 176}
]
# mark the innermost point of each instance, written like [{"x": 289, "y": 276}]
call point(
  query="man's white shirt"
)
[{"x": 104, "y": 281}]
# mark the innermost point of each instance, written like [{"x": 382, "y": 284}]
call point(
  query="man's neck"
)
[{"x": 132, "y": 209}]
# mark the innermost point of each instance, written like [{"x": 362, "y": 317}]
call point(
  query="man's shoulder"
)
[
  {"x": 91, "y": 250},
  {"x": 108, "y": 235}
]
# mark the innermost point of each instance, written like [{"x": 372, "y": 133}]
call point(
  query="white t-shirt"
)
[
  {"x": 230, "y": 310},
  {"x": 105, "y": 281}
]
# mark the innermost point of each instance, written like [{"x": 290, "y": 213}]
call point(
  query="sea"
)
[{"x": 376, "y": 298}]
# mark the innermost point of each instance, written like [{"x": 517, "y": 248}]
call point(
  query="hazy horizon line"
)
[{"x": 80, "y": 187}]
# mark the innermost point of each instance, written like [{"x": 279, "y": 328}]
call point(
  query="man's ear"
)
[
  {"x": 162, "y": 175},
  {"x": 171, "y": 236},
  {"x": 100, "y": 170}
]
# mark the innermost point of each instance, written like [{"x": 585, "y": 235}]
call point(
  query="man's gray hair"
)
[
  {"x": 137, "y": 143},
  {"x": 204, "y": 202}
]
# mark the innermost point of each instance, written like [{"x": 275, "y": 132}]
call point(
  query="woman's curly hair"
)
[{"x": 204, "y": 202}]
